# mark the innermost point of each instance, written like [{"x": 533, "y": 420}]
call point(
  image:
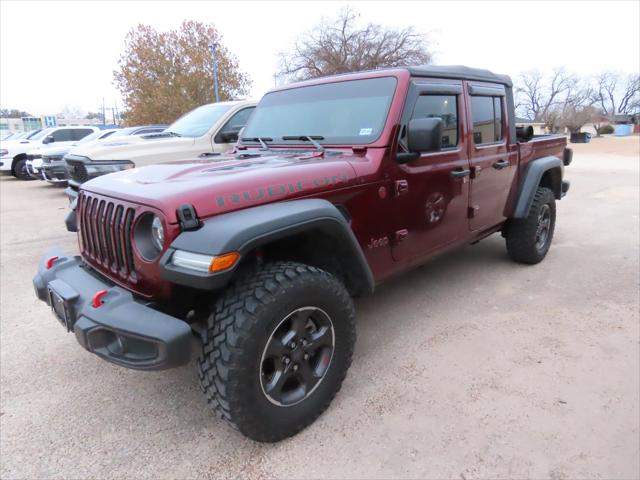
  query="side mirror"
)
[
  {"x": 423, "y": 135},
  {"x": 229, "y": 134},
  {"x": 48, "y": 139}
]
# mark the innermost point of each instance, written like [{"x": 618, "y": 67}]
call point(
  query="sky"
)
[{"x": 58, "y": 53}]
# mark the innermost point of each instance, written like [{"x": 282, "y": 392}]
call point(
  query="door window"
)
[
  {"x": 233, "y": 126},
  {"x": 80, "y": 133},
  {"x": 65, "y": 135},
  {"x": 486, "y": 113},
  {"x": 444, "y": 107}
]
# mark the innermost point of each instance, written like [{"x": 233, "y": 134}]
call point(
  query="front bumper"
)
[
  {"x": 33, "y": 170},
  {"x": 54, "y": 173},
  {"x": 122, "y": 330},
  {"x": 5, "y": 164}
]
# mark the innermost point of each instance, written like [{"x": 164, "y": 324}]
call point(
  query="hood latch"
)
[{"x": 187, "y": 217}]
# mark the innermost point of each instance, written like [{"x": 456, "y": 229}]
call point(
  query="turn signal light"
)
[
  {"x": 96, "y": 301},
  {"x": 223, "y": 262},
  {"x": 51, "y": 261}
]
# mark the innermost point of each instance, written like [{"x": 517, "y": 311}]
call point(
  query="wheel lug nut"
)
[
  {"x": 286, "y": 360},
  {"x": 306, "y": 356},
  {"x": 292, "y": 345},
  {"x": 295, "y": 368}
]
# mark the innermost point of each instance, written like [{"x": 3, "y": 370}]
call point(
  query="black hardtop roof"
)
[{"x": 459, "y": 71}]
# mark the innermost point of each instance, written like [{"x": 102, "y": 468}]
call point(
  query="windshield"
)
[
  {"x": 350, "y": 112},
  {"x": 41, "y": 134},
  {"x": 198, "y": 122}
]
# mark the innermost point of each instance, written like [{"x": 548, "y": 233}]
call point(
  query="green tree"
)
[
  {"x": 13, "y": 113},
  {"x": 94, "y": 116},
  {"x": 162, "y": 75}
]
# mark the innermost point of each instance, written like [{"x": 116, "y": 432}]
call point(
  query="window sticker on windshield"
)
[{"x": 366, "y": 131}]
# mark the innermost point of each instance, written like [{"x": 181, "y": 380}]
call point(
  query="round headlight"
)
[
  {"x": 157, "y": 233},
  {"x": 148, "y": 236}
]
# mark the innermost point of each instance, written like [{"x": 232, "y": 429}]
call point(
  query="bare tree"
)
[
  {"x": 542, "y": 99},
  {"x": 340, "y": 45},
  {"x": 615, "y": 95}
]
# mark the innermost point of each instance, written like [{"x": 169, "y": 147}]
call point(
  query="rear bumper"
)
[{"x": 121, "y": 330}]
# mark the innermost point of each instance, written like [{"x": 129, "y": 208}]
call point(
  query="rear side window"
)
[
  {"x": 486, "y": 113},
  {"x": 444, "y": 107}
]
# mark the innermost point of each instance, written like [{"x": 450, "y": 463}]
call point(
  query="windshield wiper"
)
[
  {"x": 262, "y": 141},
  {"x": 307, "y": 138}
]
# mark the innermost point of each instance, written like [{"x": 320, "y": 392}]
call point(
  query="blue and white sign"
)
[{"x": 50, "y": 121}]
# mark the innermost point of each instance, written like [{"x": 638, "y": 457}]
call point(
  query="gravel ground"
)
[{"x": 470, "y": 367}]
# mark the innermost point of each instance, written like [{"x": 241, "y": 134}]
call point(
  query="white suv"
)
[
  {"x": 13, "y": 153},
  {"x": 205, "y": 132}
]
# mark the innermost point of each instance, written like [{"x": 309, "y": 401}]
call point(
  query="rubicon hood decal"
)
[
  {"x": 280, "y": 190},
  {"x": 224, "y": 184}
]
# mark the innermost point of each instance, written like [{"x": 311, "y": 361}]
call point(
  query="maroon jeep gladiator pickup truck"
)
[{"x": 337, "y": 184}]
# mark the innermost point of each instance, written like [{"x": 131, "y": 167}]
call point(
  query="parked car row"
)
[
  {"x": 54, "y": 156},
  {"x": 73, "y": 155}
]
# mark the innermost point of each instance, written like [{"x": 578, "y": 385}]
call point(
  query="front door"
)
[
  {"x": 492, "y": 166},
  {"x": 432, "y": 192}
]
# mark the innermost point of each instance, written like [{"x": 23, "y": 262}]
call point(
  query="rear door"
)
[
  {"x": 432, "y": 192},
  {"x": 492, "y": 166}
]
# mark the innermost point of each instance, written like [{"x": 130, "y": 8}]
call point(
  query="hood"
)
[
  {"x": 54, "y": 151},
  {"x": 129, "y": 147},
  {"x": 36, "y": 150},
  {"x": 227, "y": 183},
  {"x": 8, "y": 144}
]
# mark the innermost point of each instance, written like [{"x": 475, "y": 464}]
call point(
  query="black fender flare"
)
[
  {"x": 245, "y": 230},
  {"x": 530, "y": 181}
]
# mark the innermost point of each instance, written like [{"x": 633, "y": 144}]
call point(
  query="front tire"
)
[
  {"x": 21, "y": 170},
  {"x": 278, "y": 345},
  {"x": 529, "y": 239}
]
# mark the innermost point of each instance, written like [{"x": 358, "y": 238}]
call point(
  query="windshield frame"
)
[
  {"x": 400, "y": 76},
  {"x": 42, "y": 133}
]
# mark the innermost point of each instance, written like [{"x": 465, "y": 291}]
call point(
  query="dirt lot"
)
[{"x": 471, "y": 367}]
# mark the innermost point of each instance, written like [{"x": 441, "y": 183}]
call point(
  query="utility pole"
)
[
  {"x": 104, "y": 118},
  {"x": 214, "y": 47}
]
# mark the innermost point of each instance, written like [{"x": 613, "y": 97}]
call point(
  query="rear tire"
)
[
  {"x": 529, "y": 239},
  {"x": 277, "y": 348}
]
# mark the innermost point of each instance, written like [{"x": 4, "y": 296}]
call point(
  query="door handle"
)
[
  {"x": 500, "y": 164},
  {"x": 460, "y": 173}
]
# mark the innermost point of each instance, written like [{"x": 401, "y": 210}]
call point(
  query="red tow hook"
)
[
  {"x": 96, "y": 301},
  {"x": 51, "y": 261}
]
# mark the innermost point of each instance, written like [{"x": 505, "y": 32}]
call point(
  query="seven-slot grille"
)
[{"x": 105, "y": 233}]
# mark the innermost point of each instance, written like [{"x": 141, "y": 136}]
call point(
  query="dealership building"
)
[{"x": 25, "y": 124}]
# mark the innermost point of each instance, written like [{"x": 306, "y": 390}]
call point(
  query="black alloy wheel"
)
[{"x": 297, "y": 356}]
